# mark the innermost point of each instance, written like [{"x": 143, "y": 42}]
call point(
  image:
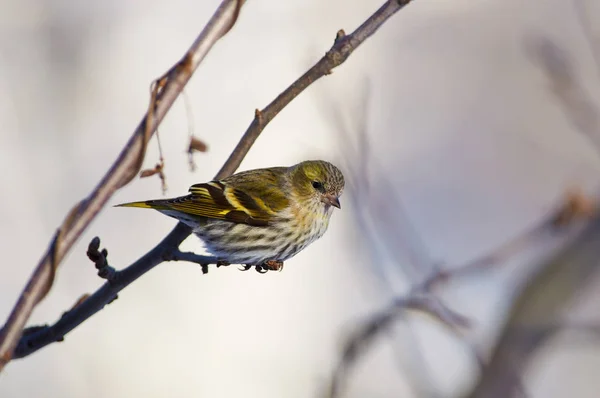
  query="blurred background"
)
[{"x": 459, "y": 125}]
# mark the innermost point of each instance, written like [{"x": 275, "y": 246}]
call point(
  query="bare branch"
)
[
  {"x": 122, "y": 172},
  {"x": 502, "y": 376},
  {"x": 167, "y": 249},
  {"x": 38, "y": 337},
  {"x": 343, "y": 46}
]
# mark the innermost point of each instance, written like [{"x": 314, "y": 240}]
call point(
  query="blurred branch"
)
[
  {"x": 589, "y": 329},
  {"x": 506, "y": 251},
  {"x": 558, "y": 280},
  {"x": 421, "y": 297},
  {"x": 573, "y": 96},
  {"x": 123, "y": 170},
  {"x": 583, "y": 18},
  {"x": 358, "y": 343},
  {"x": 381, "y": 213},
  {"x": 38, "y": 337},
  {"x": 549, "y": 294},
  {"x": 553, "y": 284}
]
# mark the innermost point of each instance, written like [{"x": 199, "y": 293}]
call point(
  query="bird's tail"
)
[{"x": 146, "y": 204}]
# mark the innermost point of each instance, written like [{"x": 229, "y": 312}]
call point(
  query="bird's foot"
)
[
  {"x": 246, "y": 267},
  {"x": 223, "y": 263},
  {"x": 258, "y": 267},
  {"x": 271, "y": 265}
]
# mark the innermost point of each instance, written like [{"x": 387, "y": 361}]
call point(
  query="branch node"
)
[
  {"x": 99, "y": 258},
  {"x": 186, "y": 65},
  {"x": 339, "y": 36},
  {"x": 79, "y": 301},
  {"x": 258, "y": 116},
  {"x": 576, "y": 206},
  {"x": 177, "y": 255}
]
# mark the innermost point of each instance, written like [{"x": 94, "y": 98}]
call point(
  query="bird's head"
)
[{"x": 318, "y": 181}]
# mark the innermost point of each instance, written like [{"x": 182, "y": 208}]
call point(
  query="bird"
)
[{"x": 258, "y": 218}]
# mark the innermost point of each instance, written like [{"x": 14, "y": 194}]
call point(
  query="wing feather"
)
[{"x": 254, "y": 198}]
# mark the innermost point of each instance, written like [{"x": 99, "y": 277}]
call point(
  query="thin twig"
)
[
  {"x": 203, "y": 261},
  {"x": 123, "y": 170},
  {"x": 38, "y": 337},
  {"x": 421, "y": 297},
  {"x": 343, "y": 46},
  {"x": 159, "y": 169},
  {"x": 168, "y": 247},
  {"x": 195, "y": 144},
  {"x": 573, "y": 208}
]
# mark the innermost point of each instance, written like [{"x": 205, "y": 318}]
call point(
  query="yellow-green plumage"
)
[{"x": 259, "y": 215}]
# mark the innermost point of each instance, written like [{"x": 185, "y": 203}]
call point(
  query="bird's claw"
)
[
  {"x": 271, "y": 265},
  {"x": 223, "y": 263}
]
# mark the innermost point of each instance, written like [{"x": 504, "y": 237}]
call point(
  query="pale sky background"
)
[{"x": 463, "y": 128}]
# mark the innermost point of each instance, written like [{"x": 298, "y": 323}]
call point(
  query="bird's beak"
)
[{"x": 332, "y": 200}]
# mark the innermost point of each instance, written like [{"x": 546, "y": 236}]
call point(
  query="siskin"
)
[{"x": 259, "y": 217}]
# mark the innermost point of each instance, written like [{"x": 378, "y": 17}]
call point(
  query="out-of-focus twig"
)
[
  {"x": 583, "y": 17},
  {"x": 540, "y": 303},
  {"x": 362, "y": 339},
  {"x": 554, "y": 284},
  {"x": 559, "y": 279},
  {"x": 167, "y": 249},
  {"x": 123, "y": 170},
  {"x": 573, "y": 96},
  {"x": 575, "y": 209},
  {"x": 195, "y": 144}
]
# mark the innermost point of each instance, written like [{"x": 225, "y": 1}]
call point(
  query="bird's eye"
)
[{"x": 317, "y": 185}]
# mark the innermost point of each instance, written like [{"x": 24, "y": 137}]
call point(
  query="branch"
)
[
  {"x": 167, "y": 249},
  {"x": 37, "y": 337},
  {"x": 548, "y": 294},
  {"x": 123, "y": 170},
  {"x": 343, "y": 46},
  {"x": 421, "y": 297}
]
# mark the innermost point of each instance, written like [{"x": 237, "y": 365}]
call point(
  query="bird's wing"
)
[{"x": 254, "y": 198}]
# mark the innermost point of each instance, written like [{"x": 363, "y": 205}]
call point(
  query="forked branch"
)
[
  {"x": 123, "y": 170},
  {"x": 128, "y": 165}
]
